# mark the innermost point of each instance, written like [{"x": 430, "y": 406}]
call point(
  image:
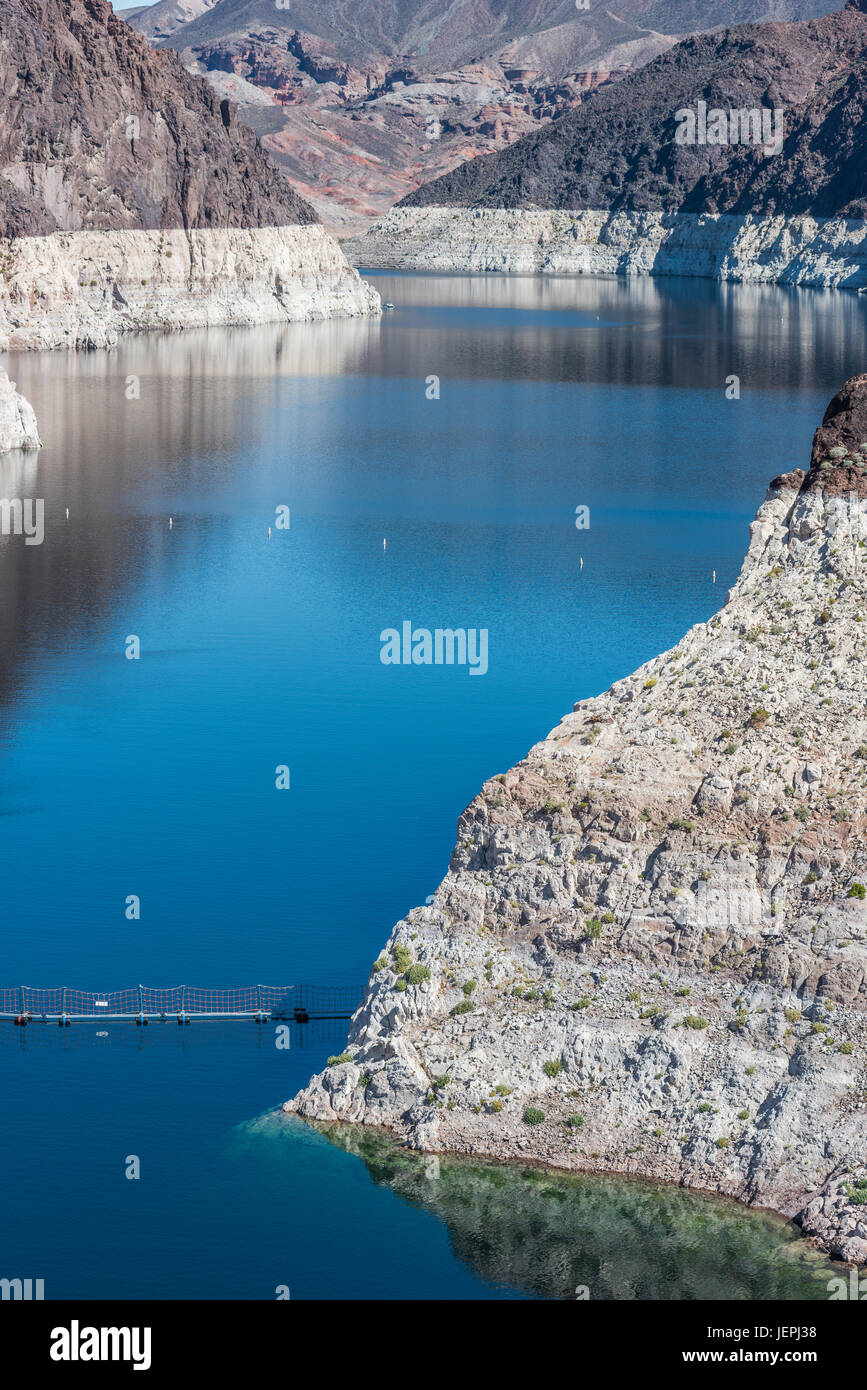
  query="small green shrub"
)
[
  {"x": 402, "y": 957},
  {"x": 466, "y": 1006},
  {"x": 417, "y": 974},
  {"x": 553, "y": 1067},
  {"x": 338, "y": 1059},
  {"x": 533, "y": 1116},
  {"x": 575, "y": 1121},
  {"x": 693, "y": 1021},
  {"x": 857, "y": 891}
]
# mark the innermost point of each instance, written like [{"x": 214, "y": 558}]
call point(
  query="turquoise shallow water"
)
[{"x": 156, "y": 777}]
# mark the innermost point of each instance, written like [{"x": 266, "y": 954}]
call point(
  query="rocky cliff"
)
[
  {"x": 87, "y": 289},
  {"x": 803, "y": 250},
  {"x": 131, "y": 196},
  {"x": 98, "y": 131},
  {"x": 17, "y": 420},
  {"x": 650, "y": 952}
]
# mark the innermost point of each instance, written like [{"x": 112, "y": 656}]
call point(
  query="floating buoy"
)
[
  {"x": 63, "y": 1021},
  {"x": 183, "y": 1018},
  {"x": 261, "y": 1016},
  {"x": 67, "y": 513},
  {"x": 714, "y": 577},
  {"x": 141, "y": 1020},
  {"x": 170, "y": 523},
  {"x": 269, "y": 533},
  {"x": 581, "y": 562},
  {"x": 384, "y": 542}
]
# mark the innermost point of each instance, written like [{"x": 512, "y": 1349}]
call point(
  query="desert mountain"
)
[
  {"x": 619, "y": 150},
  {"x": 98, "y": 131},
  {"x": 360, "y": 103}
]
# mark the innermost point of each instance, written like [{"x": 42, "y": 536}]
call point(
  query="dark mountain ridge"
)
[
  {"x": 98, "y": 131},
  {"x": 618, "y": 149}
]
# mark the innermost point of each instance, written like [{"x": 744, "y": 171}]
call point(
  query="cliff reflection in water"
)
[
  {"x": 551, "y": 1234},
  {"x": 215, "y": 424}
]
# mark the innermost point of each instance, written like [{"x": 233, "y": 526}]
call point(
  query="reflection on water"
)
[
  {"x": 161, "y": 1035},
  {"x": 551, "y": 1234},
  {"x": 172, "y": 422}
]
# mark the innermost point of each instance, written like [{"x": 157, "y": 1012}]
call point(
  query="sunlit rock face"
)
[
  {"x": 650, "y": 951},
  {"x": 17, "y": 419},
  {"x": 131, "y": 197}
]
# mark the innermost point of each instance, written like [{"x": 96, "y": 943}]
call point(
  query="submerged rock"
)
[
  {"x": 17, "y": 419},
  {"x": 649, "y": 954}
]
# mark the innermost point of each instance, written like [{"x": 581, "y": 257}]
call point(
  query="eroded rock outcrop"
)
[
  {"x": 86, "y": 289},
  {"x": 826, "y": 253},
  {"x": 650, "y": 952},
  {"x": 17, "y": 419}
]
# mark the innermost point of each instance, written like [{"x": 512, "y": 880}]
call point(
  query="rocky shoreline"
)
[
  {"x": 807, "y": 251},
  {"x": 86, "y": 289},
  {"x": 649, "y": 955},
  {"x": 17, "y": 419}
]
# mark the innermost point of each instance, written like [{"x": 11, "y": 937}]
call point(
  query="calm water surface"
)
[{"x": 156, "y": 777}]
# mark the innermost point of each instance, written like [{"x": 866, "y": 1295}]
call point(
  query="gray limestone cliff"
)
[{"x": 649, "y": 954}]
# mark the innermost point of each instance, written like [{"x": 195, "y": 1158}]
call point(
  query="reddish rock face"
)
[
  {"x": 838, "y": 459},
  {"x": 838, "y": 462},
  {"x": 362, "y": 103},
  {"x": 98, "y": 131}
]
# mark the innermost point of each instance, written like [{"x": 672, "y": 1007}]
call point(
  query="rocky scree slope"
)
[{"x": 649, "y": 954}]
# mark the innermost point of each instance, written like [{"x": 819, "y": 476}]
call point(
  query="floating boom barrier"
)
[{"x": 143, "y": 1004}]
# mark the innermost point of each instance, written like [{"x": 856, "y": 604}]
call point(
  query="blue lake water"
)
[{"x": 156, "y": 777}]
